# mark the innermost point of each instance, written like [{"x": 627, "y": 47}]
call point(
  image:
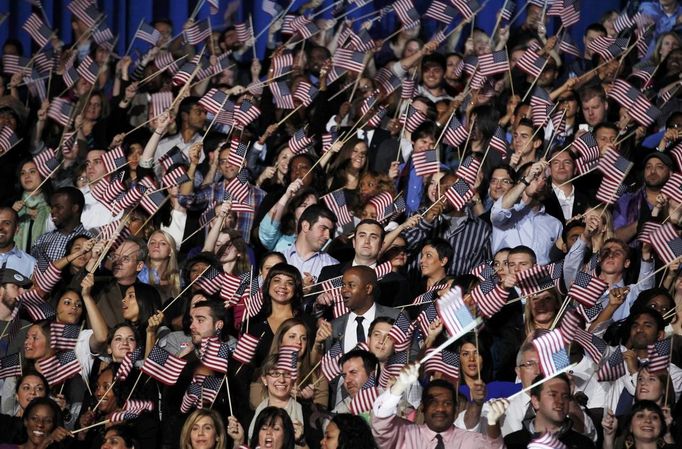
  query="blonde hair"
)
[
  {"x": 172, "y": 273},
  {"x": 529, "y": 322},
  {"x": 185, "y": 434}
]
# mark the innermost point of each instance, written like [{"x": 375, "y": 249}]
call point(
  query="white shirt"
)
[
  {"x": 95, "y": 214},
  {"x": 350, "y": 339},
  {"x": 169, "y": 142},
  {"x": 565, "y": 201}
]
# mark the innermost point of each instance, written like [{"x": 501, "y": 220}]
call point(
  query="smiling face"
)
[
  {"x": 39, "y": 423},
  {"x": 552, "y": 405},
  {"x": 203, "y": 434},
  {"x": 122, "y": 342},
  {"x": 500, "y": 183},
  {"x": 296, "y": 336},
  {"x": 69, "y": 308},
  {"x": 282, "y": 163},
  {"x": 643, "y": 332},
  {"x": 646, "y": 426},
  {"x": 30, "y": 387},
  {"x": 36, "y": 345},
  {"x": 279, "y": 384},
  {"x": 649, "y": 386},
  {"x": 358, "y": 156},
  {"x": 282, "y": 288},
  {"x": 271, "y": 436},
  {"x": 8, "y": 227}
]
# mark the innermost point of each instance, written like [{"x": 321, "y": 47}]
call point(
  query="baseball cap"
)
[{"x": 10, "y": 276}]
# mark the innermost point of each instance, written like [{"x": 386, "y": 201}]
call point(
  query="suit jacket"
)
[{"x": 553, "y": 208}]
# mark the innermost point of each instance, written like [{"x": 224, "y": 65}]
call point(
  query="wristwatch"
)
[{"x": 525, "y": 181}]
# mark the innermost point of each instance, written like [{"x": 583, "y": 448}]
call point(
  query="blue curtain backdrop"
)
[{"x": 123, "y": 16}]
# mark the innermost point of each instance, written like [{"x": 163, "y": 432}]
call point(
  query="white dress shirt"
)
[{"x": 350, "y": 338}]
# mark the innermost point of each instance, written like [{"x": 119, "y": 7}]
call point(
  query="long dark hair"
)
[
  {"x": 148, "y": 302},
  {"x": 268, "y": 417},
  {"x": 354, "y": 433},
  {"x": 288, "y": 222},
  {"x": 296, "y": 300}
]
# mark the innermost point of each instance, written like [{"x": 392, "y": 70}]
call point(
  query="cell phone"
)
[{"x": 584, "y": 127}]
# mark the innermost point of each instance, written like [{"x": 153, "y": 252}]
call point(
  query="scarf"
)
[{"x": 36, "y": 226}]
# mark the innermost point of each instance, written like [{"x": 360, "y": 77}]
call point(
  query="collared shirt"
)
[
  {"x": 176, "y": 140},
  {"x": 312, "y": 264},
  {"x": 95, "y": 214},
  {"x": 628, "y": 208},
  {"x": 18, "y": 260},
  {"x": 52, "y": 245},
  {"x": 215, "y": 193},
  {"x": 522, "y": 225},
  {"x": 565, "y": 201},
  {"x": 469, "y": 237},
  {"x": 350, "y": 338},
  {"x": 662, "y": 21}
]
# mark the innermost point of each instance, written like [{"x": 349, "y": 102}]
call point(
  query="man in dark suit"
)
[
  {"x": 367, "y": 242},
  {"x": 564, "y": 200},
  {"x": 352, "y": 328}
]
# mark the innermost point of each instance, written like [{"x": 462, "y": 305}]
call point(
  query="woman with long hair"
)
[
  {"x": 29, "y": 386},
  {"x": 203, "y": 429},
  {"x": 227, "y": 244},
  {"x": 44, "y": 425},
  {"x": 32, "y": 208},
  {"x": 161, "y": 267},
  {"x": 645, "y": 428},
  {"x": 273, "y": 429},
  {"x": 346, "y": 431},
  {"x": 349, "y": 165},
  {"x": 541, "y": 310}
]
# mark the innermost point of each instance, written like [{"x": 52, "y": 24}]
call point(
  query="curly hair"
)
[{"x": 354, "y": 433}]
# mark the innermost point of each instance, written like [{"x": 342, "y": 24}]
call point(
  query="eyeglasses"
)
[
  {"x": 500, "y": 181},
  {"x": 531, "y": 364},
  {"x": 117, "y": 258},
  {"x": 283, "y": 374}
]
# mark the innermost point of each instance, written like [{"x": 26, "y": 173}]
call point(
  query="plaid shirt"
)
[
  {"x": 215, "y": 193},
  {"x": 52, "y": 245}
]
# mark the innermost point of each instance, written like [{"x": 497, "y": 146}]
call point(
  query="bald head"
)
[
  {"x": 359, "y": 285},
  {"x": 367, "y": 275}
]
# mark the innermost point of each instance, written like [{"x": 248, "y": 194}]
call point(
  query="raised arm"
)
[{"x": 98, "y": 339}]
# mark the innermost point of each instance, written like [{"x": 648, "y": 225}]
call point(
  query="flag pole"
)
[
  {"x": 541, "y": 381},
  {"x": 132, "y": 41},
  {"x": 183, "y": 291}
]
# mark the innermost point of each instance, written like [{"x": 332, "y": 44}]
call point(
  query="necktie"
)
[
  {"x": 439, "y": 444},
  {"x": 360, "y": 331}
]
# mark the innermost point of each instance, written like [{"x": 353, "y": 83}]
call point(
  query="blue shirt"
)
[
  {"x": 663, "y": 22},
  {"x": 312, "y": 265},
  {"x": 18, "y": 260}
]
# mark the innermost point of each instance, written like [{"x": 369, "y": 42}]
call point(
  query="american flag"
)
[
  {"x": 635, "y": 102},
  {"x": 468, "y": 169},
  {"x": 70, "y": 75},
  {"x": 86, "y": 11},
  {"x": 210, "y": 281},
  {"x": 214, "y": 354},
  {"x": 531, "y": 63},
  {"x": 401, "y": 331},
  {"x": 107, "y": 192},
  {"x": 60, "y": 367},
  {"x": 446, "y": 362},
  {"x": 348, "y": 59},
  {"x": 499, "y": 142},
  {"x": 459, "y": 194},
  {"x": 10, "y": 366},
  {"x": 159, "y": 103},
  {"x": 466, "y": 7},
  {"x": 289, "y": 23},
  {"x": 508, "y": 9},
  {"x": 35, "y": 84},
  {"x": 282, "y": 63},
  {"x": 567, "y": 10},
  {"x": 567, "y": 45},
  {"x": 569, "y": 324},
  {"x": 589, "y": 313},
  {"x": 336, "y": 202},
  {"x": 625, "y": 21},
  {"x": 614, "y": 166},
  {"x": 45, "y": 280},
  {"x": 307, "y": 29},
  {"x": 192, "y": 395},
  {"x": 586, "y": 146},
  {"x": 14, "y": 64},
  {"x": 329, "y": 363},
  {"x": 425, "y": 162},
  {"x": 412, "y": 118},
  {"x": 237, "y": 152},
  {"x": 7, "y": 139},
  {"x": 673, "y": 187},
  {"x": 128, "y": 363},
  {"x": 406, "y": 12},
  {"x": 594, "y": 346},
  {"x": 299, "y": 142},
  {"x": 610, "y": 190},
  {"x": 282, "y": 95},
  {"x": 614, "y": 368},
  {"x": 376, "y": 118},
  {"x": 60, "y": 110},
  {"x": 197, "y": 32},
  {"x": 587, "y": 289},
  {"x": 456, "y": 133},
  {"x": 164, "y": 60},
  {"x": 541, "y": 106},
  {"x": 287, "y": 360},
  {"x": 246, "y": 114},
  {"x": 368, "y": 103},
  {"x": 246, "y": 348},
  {"x": 305, "y": 93},
  {"x": 493, "y": 63},
  {"x": 659, "y": 355},
  {"x": 213, "y": 100},
  {"x": 103, "y": 36},
  {"x": 183, "y": 75},
  {"x": 360, "y": 41},
  {"x": 243, "y": 32},
  {"x": 484, "y": 271},
  {"x": 45, "y": 60},
  {"x": 175, "y": 177},
  {"x": 36, "y": 308},
  {"x": 383, "y": 204},
  {"x": 454, "y": 313},
  {"x": 489, "y": 297},
  {"x": 441, "y": 12},
  {"x": 392, "y": 367},
  {"x": 163, "y": 366},
  {"x": 537, "y": 278},
  {"x": 387, "y": 80},
  {"x": 607, "y": 47},
  {"x": 153, "y": 201},
  {"x": 408, "y": 89},
  {"x": 172, "y": 157},
  {"x": 546, "y": 441},
  {"x": 148, "y": 34},
  {"x": 46, "y": 161},
  {"x": 63, "y": 337},
  {"x": 666, "y": 243},
  {"x": 425, "y": 318},
  {"x": 238, "y": 189},
  {"x": 88, "y": 70},
  {"x": 132, "y": 409},
  {"x": 552, "y": 353},
  {"x": 644, "y": 72},
  {"x": 364, "y": 399},
  {"x": 39, "y": 32},
  {"x": 114, "y": 159},
  {"x": 214, "y": 6},
  {"x": 339, "y": 307}
]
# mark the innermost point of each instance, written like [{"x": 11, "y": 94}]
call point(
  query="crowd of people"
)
[{"x": 430, "y": 236}]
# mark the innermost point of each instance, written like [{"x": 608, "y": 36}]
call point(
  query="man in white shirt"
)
[
  {"x": 95, "y": 214},
  {"x": 564, "y": 201},
  {"x": 191, "y": 120}
]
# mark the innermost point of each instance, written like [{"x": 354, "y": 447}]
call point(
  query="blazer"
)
[{"x": 553, "y": 208}]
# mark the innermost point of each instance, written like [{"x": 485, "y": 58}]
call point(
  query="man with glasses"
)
[
  {"x": 614, "y": 259},
  {"x": 126, "y": 262},
  {"x": 564, "y": 200},
  {"x": 95, "y": 213},
  {"x": 66, "y": 207}
]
